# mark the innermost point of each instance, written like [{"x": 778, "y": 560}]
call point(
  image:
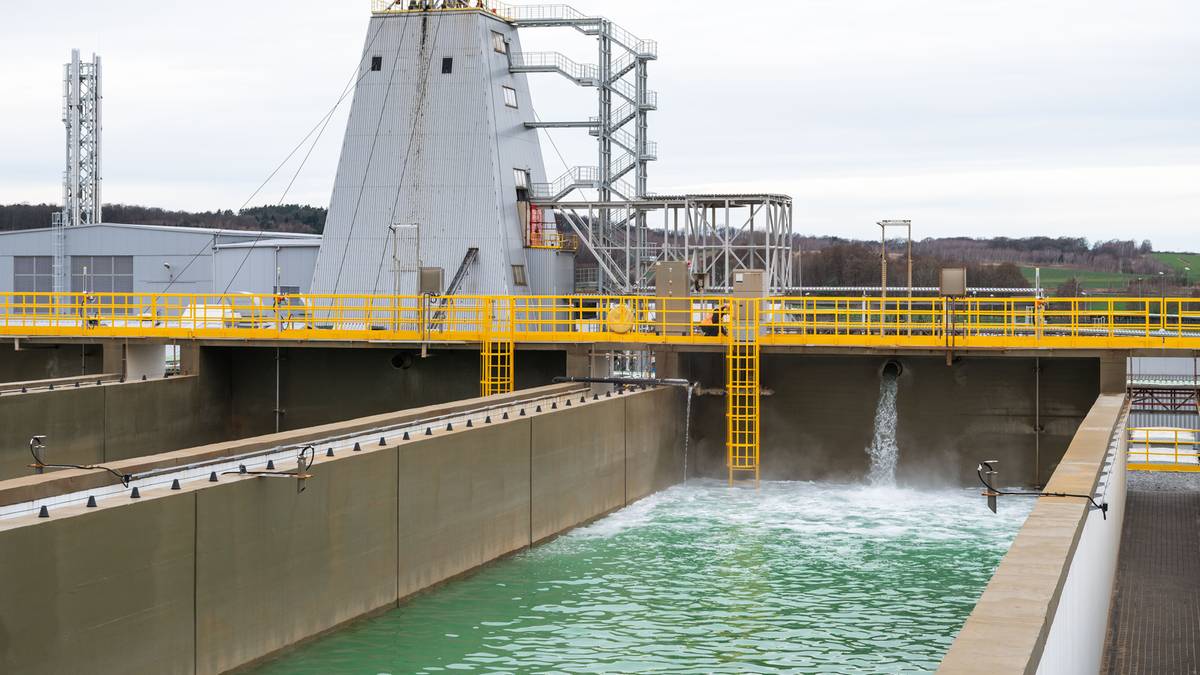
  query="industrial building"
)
[
  {"x": 117, "y": 258},
  {"x": 310, "y": 463}
]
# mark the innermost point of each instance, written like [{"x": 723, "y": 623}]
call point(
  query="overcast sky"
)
[{"x": 970, "y": 117}]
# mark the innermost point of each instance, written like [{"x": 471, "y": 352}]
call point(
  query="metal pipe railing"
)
[{"x": 1089, "y": 323}]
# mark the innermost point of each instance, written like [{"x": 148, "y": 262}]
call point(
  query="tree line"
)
[
  {"x": 827, "y": 261},
  {"x": 298, "y": 218}
]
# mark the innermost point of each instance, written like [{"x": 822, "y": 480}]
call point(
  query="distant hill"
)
[
  {"x": 283, "y": 218},
  {"x": 1069, "y": 265}
]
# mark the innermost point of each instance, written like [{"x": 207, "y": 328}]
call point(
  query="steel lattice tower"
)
[{"x": 81, "y": 181}]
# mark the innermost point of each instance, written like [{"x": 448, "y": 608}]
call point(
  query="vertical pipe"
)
[
  {"x": 278, "y": 410},
  {"x": 97, "y": 135},
  {"x": 1037, "y": 421}
]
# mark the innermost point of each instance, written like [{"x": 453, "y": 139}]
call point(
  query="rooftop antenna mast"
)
[{"x": 81, "y": 181}]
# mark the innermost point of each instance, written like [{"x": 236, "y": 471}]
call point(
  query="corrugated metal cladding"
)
[
  {"x": 260, "y": 267},
  {"x": 1164, "y": 419},
  {"x": 175, "y": 259},
  {"x": 1149, "y": 366},
  {"x": 438, "y": 150}
]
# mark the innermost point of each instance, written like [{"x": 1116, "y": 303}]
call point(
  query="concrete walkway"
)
[{"x": 1154, "y": 625}]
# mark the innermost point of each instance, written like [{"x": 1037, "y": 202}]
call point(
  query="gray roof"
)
[
  {"x": 312, "y": 241},
  {"x": 187, "y": 230}
]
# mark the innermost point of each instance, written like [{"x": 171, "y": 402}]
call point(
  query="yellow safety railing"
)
[
  {"x": 1164, "y": 449},
  {"x": 1059, "y": 323},
  {"x": 499, "y": 9},
  {"x": 554, "y": 241}
]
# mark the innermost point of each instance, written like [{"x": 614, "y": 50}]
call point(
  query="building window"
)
[
  {"x": 376, "y": 63},
  {"x": 519, "y": 275},
  {"x": 521, "y": 177},
  {"x": 102, "y": 273},
  {"x": 447, "y": 65},
  {"x": 287, "y": 290},
  {"x": 33, "y": 274},
  {"x": 498, "y": 43},
  {"x": 510, "y": 97}
]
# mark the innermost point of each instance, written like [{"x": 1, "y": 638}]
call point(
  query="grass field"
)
[
  {"x": 1052, "y": 277},
  {"x": 1178, "y": 261}
]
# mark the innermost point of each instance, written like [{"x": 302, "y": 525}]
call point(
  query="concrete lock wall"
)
[
  {"x": 321, "y": 385},
  {"x": 215, "y": 576},
  {"x": 233, "y": 395},
  {"x": 110, "y": 592},
  {"x": 46, "y": 362},
  {"x": 1045, "y": 609},
  {"x": 818, "y": 418},
  {"x": 101, "y": 423},
  {"x": 1079, "y": 628}
]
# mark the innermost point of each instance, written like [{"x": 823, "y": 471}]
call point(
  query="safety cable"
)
[
  {"x": 386, "y": 429},
  {"x": 302, "y": 467},
  {"x": 554, "y": 145},
  {"x": 387, "y": 93},
  {"x": 40, "y": 465},
  {"x": 319, "y": 128},
  {"x": 1008, "y": 493},
  {"x": 352, "y": 85}
]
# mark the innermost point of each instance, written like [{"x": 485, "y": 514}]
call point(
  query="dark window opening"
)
[
  {"x": 447, "y": 65},
  {"x": 376, "y": 63}
]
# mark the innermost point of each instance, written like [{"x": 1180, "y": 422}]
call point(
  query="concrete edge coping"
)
[
  {"x": 150, "y": 494},
  {"x": 10, "y": 387},
  {"x": 1007, "y": 630},
  {"x": 31, "y": 488}
]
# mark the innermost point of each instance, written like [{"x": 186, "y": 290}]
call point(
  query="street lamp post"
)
[{"x": 906, "y": 225}]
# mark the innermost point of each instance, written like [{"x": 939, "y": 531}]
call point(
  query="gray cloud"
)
[{"x": 984, "y": 117}]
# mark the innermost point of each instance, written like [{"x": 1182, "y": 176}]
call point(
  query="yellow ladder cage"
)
[
  {"x": 742, "y": 390},
  {"x": 496, "y": 351}
]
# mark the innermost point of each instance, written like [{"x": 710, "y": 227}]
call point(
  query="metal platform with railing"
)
[
  {"x": 1164, "y": 449},
  {"x": 739, "y": 326},
  {"x": 931, "y": 322}
]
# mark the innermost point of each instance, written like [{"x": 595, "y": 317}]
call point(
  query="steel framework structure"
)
[
  {"x": 82, "y": 98},
  {"x": 610, "y": 215},
  {"x": 717, "y": 235}
]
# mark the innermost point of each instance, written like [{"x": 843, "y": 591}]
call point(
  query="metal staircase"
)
[
  {"x": 583, "y": 74},
  {"x": 440, "y": 304},
  {"x": 463, "y": 270},
  {"x": 577, "y": 178},
  {"x": 608, "y": 230}
]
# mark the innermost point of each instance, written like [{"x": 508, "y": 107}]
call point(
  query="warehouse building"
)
[{"x": 117, "y": 258}]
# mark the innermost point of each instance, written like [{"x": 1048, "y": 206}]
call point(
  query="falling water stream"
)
[{"x": 883, "y": 449}]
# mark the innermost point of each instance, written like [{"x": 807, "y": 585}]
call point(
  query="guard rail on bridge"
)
[
  {"x": 1059, "y": 323},
  {"x": 1164, "y": 449}
]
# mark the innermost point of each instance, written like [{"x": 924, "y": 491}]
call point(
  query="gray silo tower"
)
[{"x": 438, "y": 162}]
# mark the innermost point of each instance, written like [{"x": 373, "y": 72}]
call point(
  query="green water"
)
[{"x": 796, "y": 577}]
